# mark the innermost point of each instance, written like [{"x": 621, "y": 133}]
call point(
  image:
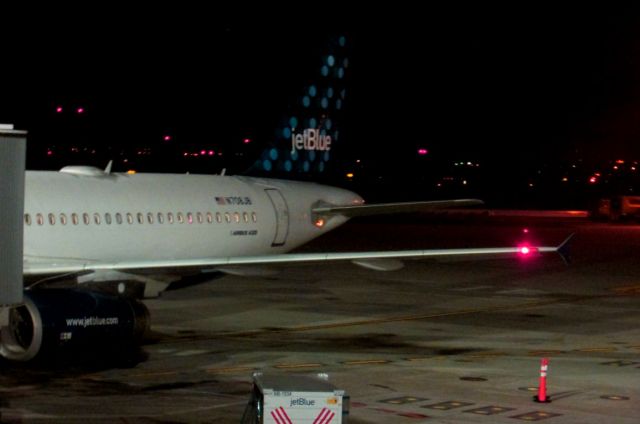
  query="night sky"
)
[{"x": 520, "y": 84}]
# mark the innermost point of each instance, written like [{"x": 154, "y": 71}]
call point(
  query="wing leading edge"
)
[
  {"x": 380, "y": 260},
  {"x": 387, "y": 208}
]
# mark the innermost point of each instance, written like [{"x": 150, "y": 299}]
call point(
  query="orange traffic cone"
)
[{"x": 542, "y": 397}]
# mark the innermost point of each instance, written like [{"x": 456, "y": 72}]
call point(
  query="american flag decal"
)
[{"x": 220, "y": 200}]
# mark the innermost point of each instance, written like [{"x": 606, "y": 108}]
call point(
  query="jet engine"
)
[{"x": 55, "y": 319}]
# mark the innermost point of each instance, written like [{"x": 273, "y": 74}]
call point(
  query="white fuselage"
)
[{"x": 121, "y": 217}]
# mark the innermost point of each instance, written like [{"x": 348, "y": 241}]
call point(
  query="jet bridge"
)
[{"x": 12, "y": 168}]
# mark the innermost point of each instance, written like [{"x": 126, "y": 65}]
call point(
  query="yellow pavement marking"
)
[
  {"x": 228, "y": 369},
  {"x": 597, "y": 349},
  {"x": 153, "y": 374},
  {"x": 309, "y": 365},
  {"x": 367, "y": 362}
]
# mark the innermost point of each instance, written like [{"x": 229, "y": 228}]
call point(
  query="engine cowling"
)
[{"x": 54, "y": 319}]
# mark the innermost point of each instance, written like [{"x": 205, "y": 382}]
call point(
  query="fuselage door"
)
[{"x": 282, "y": 216}]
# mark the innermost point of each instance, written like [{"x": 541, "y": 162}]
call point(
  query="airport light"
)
[
  {"x": 59, "y": 109},
  {"x": 80, "y": 110},
  {"x": 422, "y": 152},
  {"x": 525, "y": 250}
]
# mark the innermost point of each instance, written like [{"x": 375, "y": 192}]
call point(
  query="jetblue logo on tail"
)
[
  {"x": 308, "y": 134},
  {"x": 310, "y": 139}
]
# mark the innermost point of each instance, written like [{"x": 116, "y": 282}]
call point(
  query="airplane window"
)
[
  {"x": 119, "y": 218},
  {"x": 170, "y": 217},
  {"x": 227, "y": 217},
  {"x": 160, "y": 218},
  {"x": 63, "y": 219},
  {"x": 189, "y": 217},
  {"x": 236, "y": 217},
  {"x": 27, "y": 219},
  {"x": 180, "y": 217},
  {"x": 150, "y": 217},
  {"x": 74, "y": 218},
  {"x": 199, "y": 216},
  {"x": 218, "y": 217},
  {"x": 96, "y": 218},
  {"x": 209, "y": 217},
  {"x": 85, "y": 218},
  {"x": 129, "y": 218},
  {"x": 107, "y": 218},
  {"x": 39, "y": 219},
  {"x": 254, "y": 217},
  {"x": 140, "y": 218},
  {"x": 52, "y": 219},
  {"x": 245, "y": 216}
]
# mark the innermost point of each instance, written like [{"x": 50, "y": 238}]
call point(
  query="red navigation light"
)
[
  {"x": 422, "y": 152},
  {"x": 526, "y": 250}
]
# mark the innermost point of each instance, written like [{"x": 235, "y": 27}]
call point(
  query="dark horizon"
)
[{"x": 512, "y": 87}]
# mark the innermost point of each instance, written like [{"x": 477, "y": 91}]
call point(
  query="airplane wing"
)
[
  {"x": 379, "y": 260},
  {"x": 386, "y": 208}
]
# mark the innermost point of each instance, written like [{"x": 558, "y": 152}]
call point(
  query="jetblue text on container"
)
[{"x": 302, "y": 402}]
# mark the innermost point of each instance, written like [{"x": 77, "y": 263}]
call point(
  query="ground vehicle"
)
[
  {"x": 616, "y": 208},
  {"x": 280, "y": 399}
]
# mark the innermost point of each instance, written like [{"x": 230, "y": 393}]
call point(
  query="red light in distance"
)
[
  {"x": 80, "y": 110},
  {"x": 246, "y": 141},
  {"x": 59, "y": 109},
  {"x": 422, "y": 152}
]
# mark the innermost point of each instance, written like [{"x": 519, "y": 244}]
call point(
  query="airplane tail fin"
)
[{"x": 308, "y": 134}]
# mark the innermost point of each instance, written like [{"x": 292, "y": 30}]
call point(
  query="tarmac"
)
[{"x": 437, "y": 341}]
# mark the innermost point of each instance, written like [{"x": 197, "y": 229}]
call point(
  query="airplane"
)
[{"x": 121, "y": 237}]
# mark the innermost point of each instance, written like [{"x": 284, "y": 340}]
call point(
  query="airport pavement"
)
[{"x": 452, "y": 341}]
